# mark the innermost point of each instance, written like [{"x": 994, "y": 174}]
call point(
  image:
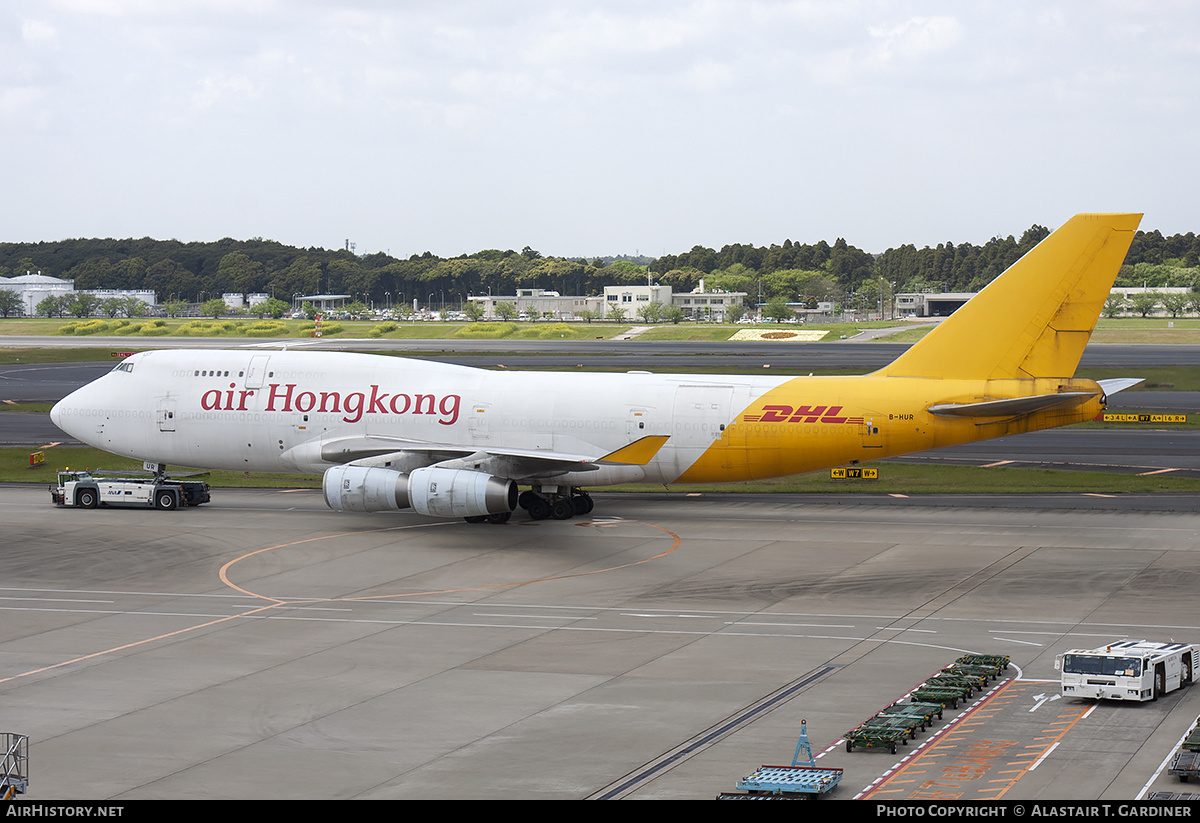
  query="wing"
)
[{"x": 519, "y": 464}]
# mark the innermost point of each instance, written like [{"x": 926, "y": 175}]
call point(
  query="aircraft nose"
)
[
  {"x": 57, "y": 414},
  {"x": 65, "y": 413}
]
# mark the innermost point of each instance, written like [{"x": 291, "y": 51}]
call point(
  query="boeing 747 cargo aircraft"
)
[{"x": 451, "y": 441}]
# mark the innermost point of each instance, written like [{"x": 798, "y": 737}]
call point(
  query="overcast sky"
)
[{"x": 589, "y": 128}]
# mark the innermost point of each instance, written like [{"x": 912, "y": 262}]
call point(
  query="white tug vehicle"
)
[
  {"x": 1127, "y": 670},
  {"x": 82, "y": 489}
]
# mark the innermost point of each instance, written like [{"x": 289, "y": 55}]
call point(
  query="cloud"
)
[
  {"x": 916, "y": 39},
  {"x": 221, "y": 89},
  {"x": 580, "y": 126},
  {"x": 37, "y": 32}
]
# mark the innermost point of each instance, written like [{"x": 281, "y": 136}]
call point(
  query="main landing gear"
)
[
  {"x": 554, "y": 503},
  {"x": 546, "y": 503}
]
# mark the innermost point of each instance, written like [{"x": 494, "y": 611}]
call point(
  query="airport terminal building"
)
[
  {"x": 940, "y": 304},
  {"x": 539, "y": 303},
  {"x": 34, "y": 288},
  {"x": 943, "y": 304}
]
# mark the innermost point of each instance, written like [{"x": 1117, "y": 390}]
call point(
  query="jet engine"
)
[{"x": 431, "y": 490}]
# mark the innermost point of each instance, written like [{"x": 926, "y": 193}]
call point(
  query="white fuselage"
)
[{"x": 294, "y": 411}]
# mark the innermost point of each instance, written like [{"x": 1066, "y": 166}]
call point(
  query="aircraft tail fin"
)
[{"x": 1035, "y": 319}]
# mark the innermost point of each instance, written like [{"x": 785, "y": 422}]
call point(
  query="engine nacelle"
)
[
  {"x": 361, "y": 489},
  {"x": 460, "y": 493},
  {"x": 431, "y": 490}
]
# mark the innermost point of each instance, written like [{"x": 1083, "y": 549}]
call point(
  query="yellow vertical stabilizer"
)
[{"x": 1035, "y": 319}]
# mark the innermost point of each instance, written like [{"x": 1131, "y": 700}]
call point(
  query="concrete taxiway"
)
[
  {"x": 726, "y": 357},
  {"x": 264, "y": 647}
]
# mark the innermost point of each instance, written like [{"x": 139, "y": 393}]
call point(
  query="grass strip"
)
[{"x": 895, "y": 478}]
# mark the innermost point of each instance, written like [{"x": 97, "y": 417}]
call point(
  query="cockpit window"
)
[{"x": 124, "y": 365}]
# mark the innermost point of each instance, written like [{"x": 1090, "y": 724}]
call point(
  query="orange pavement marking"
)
[
  {"x": 276, "y": 602},
  {"x": 972, "y": 760}
]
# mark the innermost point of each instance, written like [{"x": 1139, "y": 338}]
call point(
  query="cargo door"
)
[
  {"x": 479, "y": 422},
  {"x": 869, "y": 431},
  {"x": 701, "y": 413},
  {"x": 256, "y": 371}
]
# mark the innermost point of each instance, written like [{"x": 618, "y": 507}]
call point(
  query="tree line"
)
[{"x": 788, "y": 272}]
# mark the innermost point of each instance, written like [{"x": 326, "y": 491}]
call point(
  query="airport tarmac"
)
[
  {"x": 724, "y": 357},
  {"x": 263, "y": 646}
]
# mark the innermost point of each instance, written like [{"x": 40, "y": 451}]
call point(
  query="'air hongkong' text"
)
[{"x": 352, "y": 405}]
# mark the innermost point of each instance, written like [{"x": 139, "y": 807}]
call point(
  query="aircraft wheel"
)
[
  {"x": 538, "y": 509},
  {"x": 502, "y": 517},
  {"x": 562, "y": 509},
  {"x": 476, "y": 518},
  {"x": 583, "y": 504}
]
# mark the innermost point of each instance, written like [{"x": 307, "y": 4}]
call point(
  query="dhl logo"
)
[{"x": 801, "y": 414}]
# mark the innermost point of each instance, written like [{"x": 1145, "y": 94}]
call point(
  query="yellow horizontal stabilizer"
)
[
  {"x": 639, "y": 452},
  {"x": 1012, "y": 406}
]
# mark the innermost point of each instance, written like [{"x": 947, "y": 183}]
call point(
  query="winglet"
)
[{"x": 638, "y": 453}]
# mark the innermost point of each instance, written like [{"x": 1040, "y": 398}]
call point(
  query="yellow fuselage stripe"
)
[{"x": 811, "y": 423}]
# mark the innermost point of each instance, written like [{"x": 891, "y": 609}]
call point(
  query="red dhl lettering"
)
[
  {"x": 800, "y": 414},
  {"x": 352, "y": 405}
]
